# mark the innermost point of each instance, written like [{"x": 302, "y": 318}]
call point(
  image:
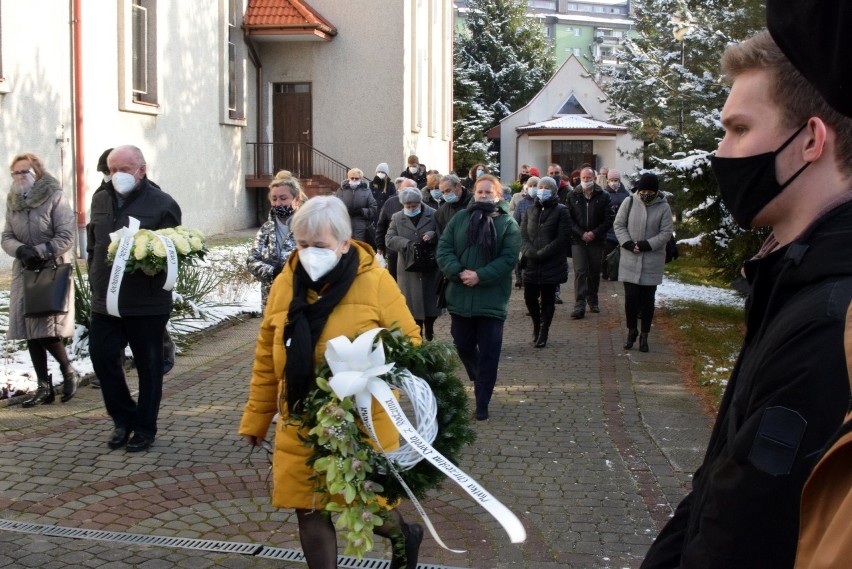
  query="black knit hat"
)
[
  {"x": 647, "y": 181},
  {"x": 102, "y": 162},
  {"x": 813, "y": 36}
]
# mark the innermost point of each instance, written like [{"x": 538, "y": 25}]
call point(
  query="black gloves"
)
[
  {"x": 644, "y": 246},
  {"x": 28, "y": 256},
  {"x": 629, "y": 245},
  {"x": 354, "y": 212}
]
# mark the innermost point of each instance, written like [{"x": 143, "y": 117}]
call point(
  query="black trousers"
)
[
  {"x": 639, "y": 299},
  {"x": 108, "y": 337},
  {"x": 540, "y": 300},
  {"x": 587, "y": 259},
  {"x": 479, "y": 340}
]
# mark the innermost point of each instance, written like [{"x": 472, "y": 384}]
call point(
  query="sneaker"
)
[{"x": 578, "y": 314}]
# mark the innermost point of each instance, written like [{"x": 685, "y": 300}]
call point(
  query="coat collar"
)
[{"x": 43, "y": 188}]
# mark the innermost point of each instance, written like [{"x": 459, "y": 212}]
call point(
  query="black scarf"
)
[
  {"x": 480, "y": 230},
  {"x": 305, "y": 322}
]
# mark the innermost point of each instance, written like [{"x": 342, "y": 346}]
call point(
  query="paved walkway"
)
[{"x": 589, "y": 445}]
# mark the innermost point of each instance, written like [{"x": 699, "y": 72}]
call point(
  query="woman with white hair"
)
[
  {"x": 414, "y": 227},
  {"x": 331, "y": 285},
  {"x": 356, "y": 195},
  {"x": 545, "y": 239}
]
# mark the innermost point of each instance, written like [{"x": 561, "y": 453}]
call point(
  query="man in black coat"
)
[
  {"x": 786, "y": 163},
  {"x": 128, "y": 308},
  {"x": 390, "y": 207},
  {"x": 591, "y": 218},
  {"x": 456, "y": 197}
]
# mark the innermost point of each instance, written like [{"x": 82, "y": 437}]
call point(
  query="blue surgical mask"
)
[
  {"x": 411, "y": 212},
  {"x": 436, "y": 194},
  {"x": 451, "y": 198},
  {"x": 479, "y": 173},
  {"x": 544, "y": 195},
  {"x": 532, "y": 192}
]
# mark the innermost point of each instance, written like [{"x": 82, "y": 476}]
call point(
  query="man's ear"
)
[{"x": 816, "y": 134}]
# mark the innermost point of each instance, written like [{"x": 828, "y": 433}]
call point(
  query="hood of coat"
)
[{"x": 42, "y": 189}]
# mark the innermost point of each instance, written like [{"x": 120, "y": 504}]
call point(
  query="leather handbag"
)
[
  {"x": 421, "y": 258},
  {"x": 46, "y": 289}
]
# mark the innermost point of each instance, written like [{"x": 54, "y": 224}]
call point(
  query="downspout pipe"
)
[{"x": 79, "y": 169}]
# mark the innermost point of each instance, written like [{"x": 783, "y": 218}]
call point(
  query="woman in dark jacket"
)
[
  {"x": 274, "y": 241},
  {"x": 545, "y": 239},
  {"x": 356, "y": 195}
]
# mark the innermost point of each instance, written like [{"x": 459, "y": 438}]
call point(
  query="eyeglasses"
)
[{"x": 22, "y": 172}]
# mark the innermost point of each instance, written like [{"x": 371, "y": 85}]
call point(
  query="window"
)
[
  {"x": 139, "y": 77},
  {"x": 144, "y": 42},
  {"x": 233, "y": 64},
  {"x": 545, "y": 4}
]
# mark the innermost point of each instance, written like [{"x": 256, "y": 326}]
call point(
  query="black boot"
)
[
  {"x": 546, "y": 319},
  {"x": 643, "y": 342},
  {"x": 536, "y": 329},
  {"x": 631, "y": 338},
  {"x": 44, "y": 395},
  {"x": 70, "y": 379},
  {"x": 413, "y": 537}
]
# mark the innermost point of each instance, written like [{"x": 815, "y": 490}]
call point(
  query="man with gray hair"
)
[
  {"x": 143, "y": 306},
  {"x": 456, "y": 197}
]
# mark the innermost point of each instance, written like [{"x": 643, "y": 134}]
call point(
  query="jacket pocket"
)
[{"x": 777, "y": 441}]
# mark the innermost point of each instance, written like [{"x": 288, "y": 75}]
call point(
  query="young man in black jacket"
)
[
  {"x": 130, "y": 308},
  {"x": 786, "y": 163}
]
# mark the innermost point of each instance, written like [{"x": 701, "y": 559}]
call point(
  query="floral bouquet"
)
[
  {"x": 350, "y": 474},
  {"x": 148, "y": 252}
]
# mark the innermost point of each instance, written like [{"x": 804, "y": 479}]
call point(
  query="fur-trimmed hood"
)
[{"x": 43, "y": 188}]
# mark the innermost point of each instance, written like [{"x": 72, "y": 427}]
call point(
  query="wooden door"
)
[{"x": 292, "y": 128}]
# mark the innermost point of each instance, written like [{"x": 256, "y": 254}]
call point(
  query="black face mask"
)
[
  {"x": 523, "y": 178},
  {"x": 748, "y": 184},
  {"x": 282, "y": 211}
]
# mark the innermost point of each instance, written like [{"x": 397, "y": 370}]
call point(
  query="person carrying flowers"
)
[{"x": 331, "y": 285}]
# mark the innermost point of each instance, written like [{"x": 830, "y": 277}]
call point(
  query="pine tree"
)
[
  {"x": 502, "y": 59},
  {"x": 670, "y": 94}
]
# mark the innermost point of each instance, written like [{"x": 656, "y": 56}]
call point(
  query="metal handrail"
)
[{"x": 300, "y": 158}]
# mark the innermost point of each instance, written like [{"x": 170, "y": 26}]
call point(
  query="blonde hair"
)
[
  {"x": 35, "y": 163},
  {"x": 286, "y": 178},
  {"x": 432, "y": 180},
  {"x": 355, "y": 172}
]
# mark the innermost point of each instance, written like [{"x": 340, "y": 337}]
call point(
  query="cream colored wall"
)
[
  {"x": 569, "y": 79},
  {"x": 360, "y": 85},
  {"x": 190, "y": 154}
]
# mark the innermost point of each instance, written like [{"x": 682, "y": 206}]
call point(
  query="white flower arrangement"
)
[{"x": 149, "y": 254}]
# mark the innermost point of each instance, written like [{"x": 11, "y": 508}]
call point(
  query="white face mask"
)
[
  {"x": 381, "y": 175},
  {"x": 123, "y": 182},
  {"x": 587, "y": 185},
  {"x": 24, "y": 183},
  {"x": 318, "y": 261},
  {"x": 614, "y": 185},
  {"x": 413, "y": 169},
  {"x": 354, "y": 183}
]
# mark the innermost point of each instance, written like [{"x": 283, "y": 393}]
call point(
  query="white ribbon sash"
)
[
  {"x": 355, "y": 367},
  {"x": 126, "y": 236}
]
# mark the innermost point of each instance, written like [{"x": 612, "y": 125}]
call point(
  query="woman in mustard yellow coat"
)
[{"x": 331, "y": 286}]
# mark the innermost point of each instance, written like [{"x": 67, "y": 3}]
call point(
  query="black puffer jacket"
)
[
  {"x": 594, "y": 214},
  {"x": 545, "y": 239},
  {"x": 787, "y": 396},
  {"x": 140, "y": 295}
]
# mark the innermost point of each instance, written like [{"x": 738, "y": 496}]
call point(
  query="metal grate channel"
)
[
  {"x": 343, "y": 561},
  {"x": 158, "y": 540},
  {"x": 22, "y": 527}
]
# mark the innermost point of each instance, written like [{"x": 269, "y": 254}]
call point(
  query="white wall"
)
[{"x": 190, "y": 154}]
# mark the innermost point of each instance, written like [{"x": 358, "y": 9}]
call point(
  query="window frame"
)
[
  {"x": 233, "y": 67},
  {"x": 131, "y": 99},
  {"x": 4, "y": 84}
]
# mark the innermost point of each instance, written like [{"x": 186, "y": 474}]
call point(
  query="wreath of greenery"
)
[{"x": 354, "y": 477}]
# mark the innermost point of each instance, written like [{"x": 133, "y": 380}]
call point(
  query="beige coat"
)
[{"x": 43, "y": 217}]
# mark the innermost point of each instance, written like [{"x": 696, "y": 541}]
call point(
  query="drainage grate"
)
[
  {"x": 23, "y": 527},
  {"x": 163, "y": 541},
  {"x": 343, "y": 561}
]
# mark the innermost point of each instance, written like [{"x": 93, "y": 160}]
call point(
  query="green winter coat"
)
[{"x": 491, "y": 296}]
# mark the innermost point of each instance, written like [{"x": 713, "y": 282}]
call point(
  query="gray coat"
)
[
  {"x": 419, "y": 289},
  {"x": 636, "y": 222},
  {"x": 43, "y": 217}
]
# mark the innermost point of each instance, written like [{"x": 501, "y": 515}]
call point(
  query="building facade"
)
[{"x": 197, "y": 86}]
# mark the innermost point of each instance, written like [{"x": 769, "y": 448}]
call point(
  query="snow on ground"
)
[
  {"x": 232, "y": 299},
  {"x": 16, "y": 374}
]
